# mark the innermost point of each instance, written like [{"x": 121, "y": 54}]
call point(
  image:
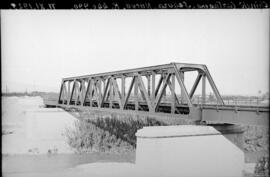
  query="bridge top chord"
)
[{"x": 142, "y": 70}]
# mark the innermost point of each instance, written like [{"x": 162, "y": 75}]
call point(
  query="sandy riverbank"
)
[{"x": 28, "y": 128}]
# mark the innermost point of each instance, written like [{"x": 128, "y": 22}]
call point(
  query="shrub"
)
[
  {"x": 86, "y": 137},
  {"x": 109, "y": 134},
  {"x": 126, "y": 128}
]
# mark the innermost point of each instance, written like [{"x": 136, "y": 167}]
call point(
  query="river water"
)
[
  {"x": 31, "y": 133},
  {"x": 40, "y": 165}
]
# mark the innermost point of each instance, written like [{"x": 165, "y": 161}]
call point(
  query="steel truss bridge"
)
[{"x": 144, "y": 91}]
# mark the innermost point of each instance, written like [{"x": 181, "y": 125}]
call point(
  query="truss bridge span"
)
[{"x": 158, "y": 91}]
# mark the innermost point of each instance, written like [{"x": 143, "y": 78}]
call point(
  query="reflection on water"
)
[{"x": 12, "y": 164}]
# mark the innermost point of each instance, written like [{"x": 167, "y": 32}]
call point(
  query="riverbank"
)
[
  {"x": 34, "y": 141},
  {"x": 28, "y": 128}
]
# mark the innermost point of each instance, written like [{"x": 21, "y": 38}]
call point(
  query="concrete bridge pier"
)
[
  {"x": 234, "y": 133},
  {"x": 190, "y": 151}
]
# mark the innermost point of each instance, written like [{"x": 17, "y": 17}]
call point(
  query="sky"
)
[{"x": 39, "y": 48}]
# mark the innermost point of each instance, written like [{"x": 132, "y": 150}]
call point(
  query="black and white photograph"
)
[{"x": 135, "y": 93}]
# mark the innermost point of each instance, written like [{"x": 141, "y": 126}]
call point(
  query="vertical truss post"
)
[
  {"x": 123, "y": 88},
  {"x": 61, "y": 90},
  {"x": 91, "y": 91},
  {"x": 100, "y": 91},
  {"x": 82, "y": 92},
  {"x": 111, "y": 94},
  {"x": 195, "y": 85},
  {"x": 129, "y": 92},
  {"x": 72, "y": 92},
  {"x": 85, "y": 91},
  {"x": 203, "y": 89},
  {"x": 95, "y": 97},
  {"x": 64, "y": 93},
  {"x": 96, "y": 92},
  {"x": 136, "y": 94},
  {"x": 158, "y": 98},
  {"x": 164, "y": 82},
  {"x": 70, "y": 95},
  {"x": 78, "y": 89},
  {"x": 66, "y": 90},
  {"x": 182, "y": 76},
  {"x": 158, "y": 85},
  {"x": 68, "y": 98},
  {"x": 171, "y": 88},
  {"x": 178, "y": 77},
  {"x": 105, "y": 94},
  {"x": 117, "y": 93},
  {"x": 153, "y": 97},
  {"x": 100, "y": 95},
  {"x": 74, "y": 96},
  {"x": 173, "y": 94},
  {"x": 148, "y": 85},
  {"x": 144, "y": 93},
  {"x": 104, "y": 83}
]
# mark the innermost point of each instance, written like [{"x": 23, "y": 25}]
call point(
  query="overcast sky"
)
[{"x": 41, "y": 47}]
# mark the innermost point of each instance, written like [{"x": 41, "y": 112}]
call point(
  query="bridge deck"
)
[{"x": 241, "y": 114}]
